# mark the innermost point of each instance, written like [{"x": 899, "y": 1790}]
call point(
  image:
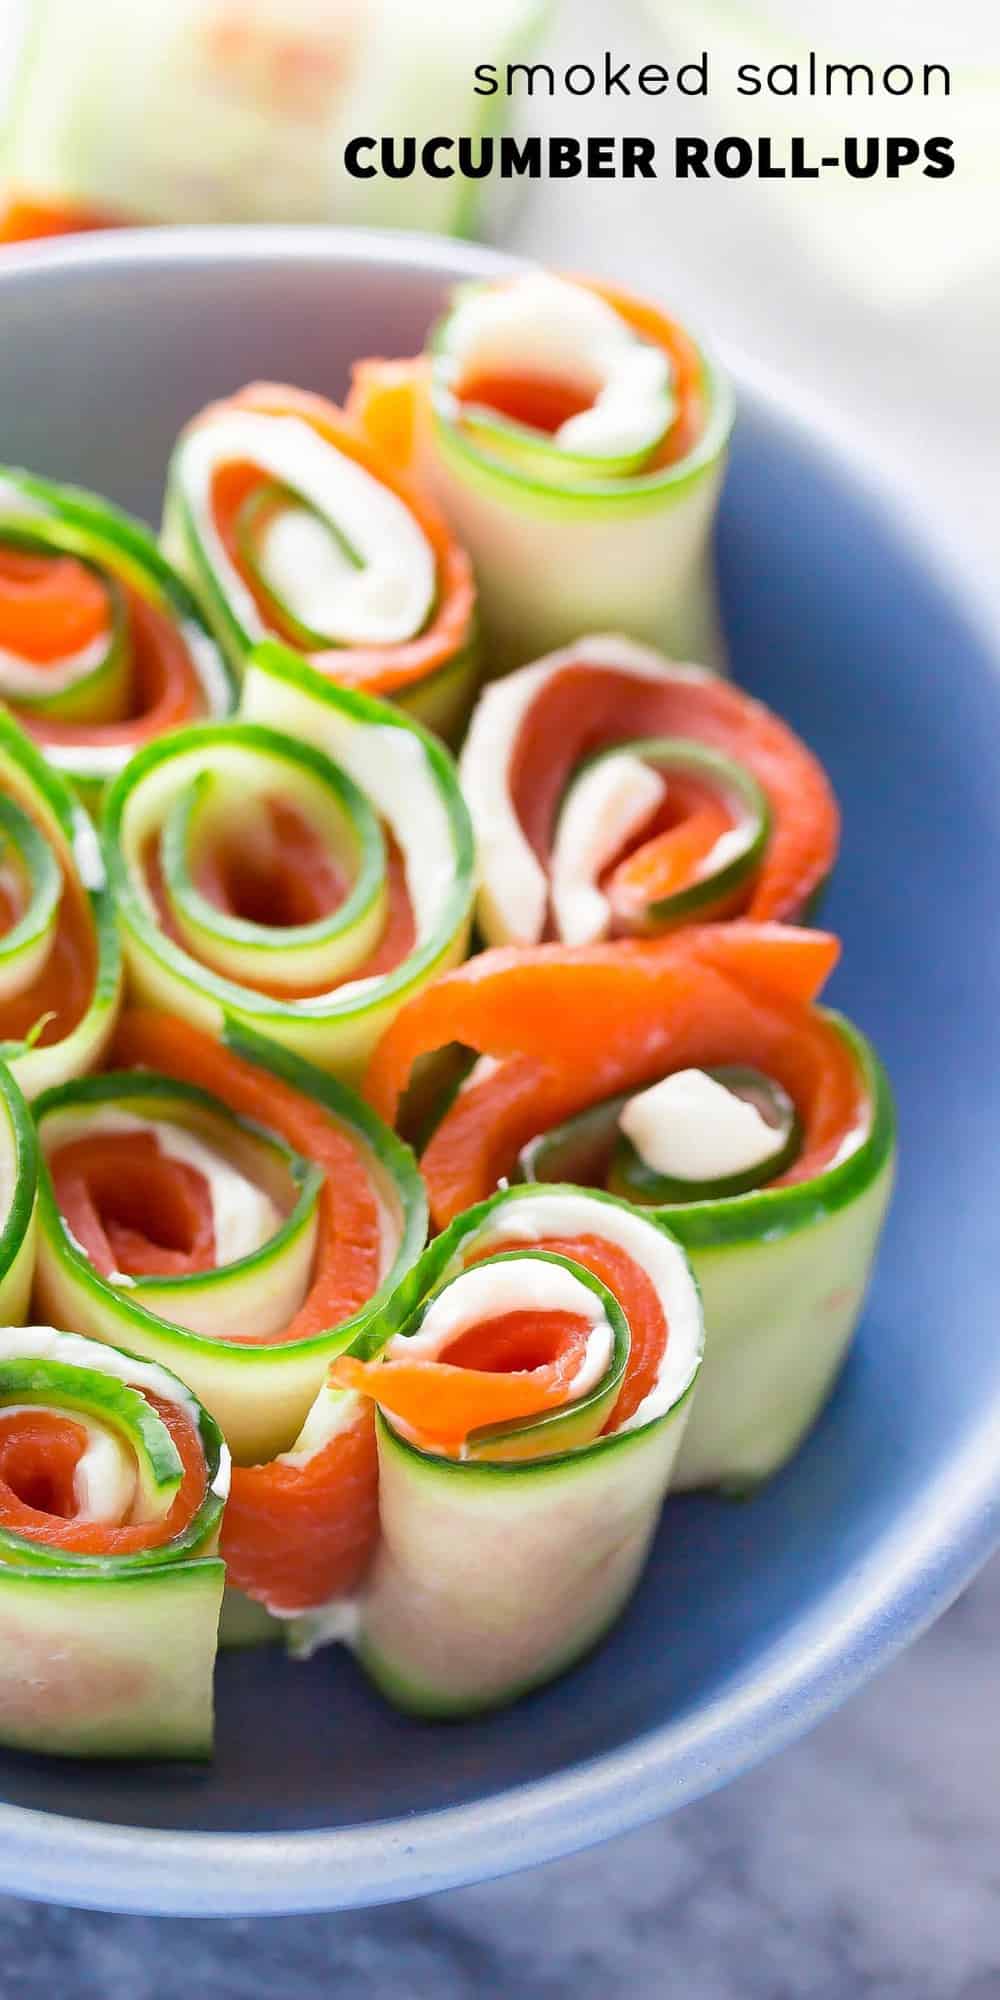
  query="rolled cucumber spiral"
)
[
  {"x": 226, "y": 1211},
  {"x": 60, "y": 960},
  {"x": 290, "y": 523},
  {"x": 301, "y": 870},
  {"x": 615, "y": 793},
  {"x": 575, "y": 437},
  {"x": 102, "y": 646}
]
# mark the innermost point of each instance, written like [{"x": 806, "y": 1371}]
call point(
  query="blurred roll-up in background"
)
[{"x": 238, "y": 110}]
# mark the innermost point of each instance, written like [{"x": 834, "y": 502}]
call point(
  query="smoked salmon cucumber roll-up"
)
[
  {"x": 227, "y": 1212},
  {"x": 112, "y": 1484},
  {"x": 303, "y": 869},
  {"x": 615, "y": 793},
  {"x": 290, "y": 523},
  {"x": 101, "y": 644},
  {"x": 532, "y": 1378},
  {"x": 576, "y": 439},
  {"x": 60, "y": 963},
  {"x": 695, "y": 1077}
]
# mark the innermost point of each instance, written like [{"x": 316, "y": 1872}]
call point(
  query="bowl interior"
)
[{"x": 833, "y": 618}]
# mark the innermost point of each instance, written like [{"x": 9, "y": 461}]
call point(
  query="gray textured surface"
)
[
  {"x": 864, "y": 1861},
  {"x": 863, "y": 1864}
]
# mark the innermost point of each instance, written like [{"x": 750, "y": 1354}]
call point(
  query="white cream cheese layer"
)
[
  {"x": 606, "y": 807},
  {"x": 332, "y": 1412},
  {"x": 730, "y": 846},
  {"x": 690, "y": 1127},
  {"x": 392, "y": 768},
  {"x": 384, "y": 599},
  {"x": 549, "y": 326},
  {"x": 104, "y": 1482}
]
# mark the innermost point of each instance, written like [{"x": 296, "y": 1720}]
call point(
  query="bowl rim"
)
[{"x": 916, "y": 1570}]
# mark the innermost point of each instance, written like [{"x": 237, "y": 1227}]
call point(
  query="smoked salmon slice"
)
[{"x": 568, "y": 1027}]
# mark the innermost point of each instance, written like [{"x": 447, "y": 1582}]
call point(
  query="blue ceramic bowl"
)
[{"x": 753, "y": 1619}]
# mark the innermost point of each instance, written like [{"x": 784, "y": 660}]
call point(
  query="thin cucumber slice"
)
[
  {"x": 580, "y": 1149},
  {"x": 19, "y": 1181},
  {"x": 519, "y": 447},
  {"x": 30, "y": 872},
  {"x": 110, "y": 1665},
  {"x": 784, "y": 1273}
]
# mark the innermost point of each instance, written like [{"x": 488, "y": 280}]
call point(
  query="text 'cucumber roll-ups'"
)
[
  {"x": 226, "y": 1211},
  {"x": 102, "y": 646},
  {"x": 302, "y": 870},
  {"x": 613, "y": 793},
  {"x": 289, "y": 523},
  {"x": 575, "y": 438},
  {"x": 112, "y": 1484},
  {"x": 60, "y": 963},
  {"x": 695, "y": 1076},
  {"x": 533, "y": 1378}
]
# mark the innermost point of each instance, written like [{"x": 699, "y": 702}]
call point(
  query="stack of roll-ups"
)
[{"x": 257, "y": 809}]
